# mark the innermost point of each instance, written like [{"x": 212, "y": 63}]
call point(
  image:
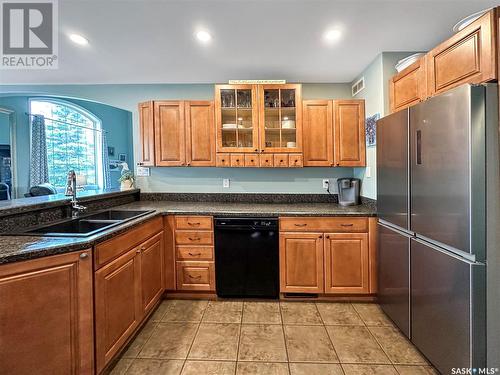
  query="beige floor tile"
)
[
  {"x": 154, "y": 367},
  {"x": 185, "y": 311},
  {"x": 223, "y": 312},
  {"x": 416, "y": 370},
  {"x": 137, "y": 344},
  {"x": 397, "y": 347},
  {"x": 369, "y": 369},
  {"x": 216, "y": 341},
  {"x": 309, "y": 344},
  {"x": 339, "y": 314},
  {"x": 208, "y": 368},
  {"x": 372, "y": 314},
  {"x": 161, "y": 310},
  {"x": 300, "y": 313},
  {"x": 315, "y": 369},
  {"x": 262, "y": 342},
  {"x": 355, "y": 344},
  {"x": 261, "y": 368},
  {"x": 121, "y": 366},
  {"x": 170, "y": 341},
  {"x": 262, "y": 312}
]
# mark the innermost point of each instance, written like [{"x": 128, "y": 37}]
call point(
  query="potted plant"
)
[{"x": 126, "y": 180}]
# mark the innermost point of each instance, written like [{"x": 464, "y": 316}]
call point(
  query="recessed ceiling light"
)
[
  {"x": 203, "y": 36},
  {"x": 332, "y": 36},
  {"x": 79, "y": 39}
]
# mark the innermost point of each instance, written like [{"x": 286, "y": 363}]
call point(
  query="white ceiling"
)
[{"x": 134, "y": 41}]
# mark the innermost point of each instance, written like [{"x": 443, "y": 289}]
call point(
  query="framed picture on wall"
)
[
  {"x": 122, "y": 157},
  {"x": 371, "y": 130}
]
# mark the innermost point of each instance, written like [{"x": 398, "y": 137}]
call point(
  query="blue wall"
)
[
  {"x": 305, "y": 180},
  {"x": 116, "y": 121},
  {"x": 4, "y": 129}
]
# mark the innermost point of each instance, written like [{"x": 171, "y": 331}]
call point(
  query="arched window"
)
[{"x": 74, "y": 141}]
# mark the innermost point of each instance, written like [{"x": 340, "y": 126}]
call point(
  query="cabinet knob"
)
[
  {"x": 143, "y": 248},
  {"x": 84, "y": 256},
  {"x": 261, "y": 150},
  {"x": 138, "y": 251},
  {"x": 320, "y": 236},
  {"x": 256, "y": 150},
  {"x": 327, "y": 236}
]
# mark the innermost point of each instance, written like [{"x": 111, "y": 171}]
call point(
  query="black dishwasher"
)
[{"x": 247, "y": 257}]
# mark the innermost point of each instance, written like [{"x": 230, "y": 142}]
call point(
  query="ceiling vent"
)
[{"x": 358, "y": 86}]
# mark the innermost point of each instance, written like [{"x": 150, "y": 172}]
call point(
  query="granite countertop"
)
[{"x": 17, "y": 248}]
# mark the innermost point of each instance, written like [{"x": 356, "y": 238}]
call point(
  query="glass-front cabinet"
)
[
  {"x": 237, "y": 118},
  {"x": 280, "y": 118}
]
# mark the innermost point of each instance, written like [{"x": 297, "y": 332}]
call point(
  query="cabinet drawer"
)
[
  {"x": 195, "y": 276},
  {"x": 251, "y": 160},
  {"x": 280, "y": 160},
  {"x": 194, "y": 253},
  {"x": 237, "y": 160},
  {"x": 108, "y": 250},
  {"x": 223, "y": 160},
  {"x": 266, "y": 160},
  {"x": 295, "y": 161},
  {"x": 324, "y": 224},
  {"x": 193, "y": 222},
  {"x": 193, "y": 238}
]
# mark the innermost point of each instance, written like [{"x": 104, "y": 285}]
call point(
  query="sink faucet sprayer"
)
[{"x": 71, "y": 191}]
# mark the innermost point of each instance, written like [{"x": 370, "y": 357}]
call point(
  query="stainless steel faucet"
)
[{"x": 71, "y": 191}]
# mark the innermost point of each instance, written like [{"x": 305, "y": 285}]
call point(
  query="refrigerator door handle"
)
[{"x": 418, "y": 147}]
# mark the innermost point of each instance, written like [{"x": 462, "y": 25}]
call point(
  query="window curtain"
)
[
  {"x": 105, "y": 161},
  {"x": 39, "y": 167}
]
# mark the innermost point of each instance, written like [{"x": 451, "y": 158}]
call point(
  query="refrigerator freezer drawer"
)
[
  {"x": 394, "y": 276},
  {"x": 448, "y": 318}
]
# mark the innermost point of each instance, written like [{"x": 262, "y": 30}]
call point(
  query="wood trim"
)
[
  {"x": 315, "y": 133},
  {"x": 169, "y": 235},
  {"x": 192, "y": 140},
  {"x": 176, "y": 136},
  {"x": 373, "y": 253},
  {"x": 146, "y": 134}
]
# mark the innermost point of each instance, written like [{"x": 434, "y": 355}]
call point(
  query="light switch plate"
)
[
  {"x": 143, "y": 171},
  {"x": 225, "y": 182}
]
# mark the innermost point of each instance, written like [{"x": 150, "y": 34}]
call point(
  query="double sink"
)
[{"x": 86, "y": 225}]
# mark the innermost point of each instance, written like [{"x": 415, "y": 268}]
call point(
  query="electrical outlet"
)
[
  {"x": 142, "y": 172},
  {"x": 225, "y": 182},
  {"x": 326, "y": 183}
]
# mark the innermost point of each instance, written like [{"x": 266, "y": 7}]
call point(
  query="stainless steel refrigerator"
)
[{"x": 438, "y": 206}]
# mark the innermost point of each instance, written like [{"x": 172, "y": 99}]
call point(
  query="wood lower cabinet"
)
[
  {"x": 330, "y": 255},
  {"x": 146, "y": 134},
  {"x": 469, "y": 56},
  {"x": 349, "y": 133},
  {"x": 409, "y": 86},
  {"x": 301, "y": 262},
  {"x": 46, "y": 315},
  {"x": 118, "y": 305},
  {"x": 197, "y": 276},
  {"x": 200, "y": 133},
  {"x": 152, "y": 271},
  {"x": 318, "y": 133},
  {"x": 346, "y": 263},
  {"x": 170, "y": 133}
]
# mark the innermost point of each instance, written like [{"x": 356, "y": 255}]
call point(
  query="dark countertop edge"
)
[
  {"x": 81, "y": 243},
  {"x": 37, "y": 204}
]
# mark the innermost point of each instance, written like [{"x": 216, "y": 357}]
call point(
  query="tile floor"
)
[{"x": 231, "y": 337}]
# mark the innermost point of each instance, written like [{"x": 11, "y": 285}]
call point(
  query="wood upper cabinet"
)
[
  {"x": 349, "y": 133},
  {"x": 346, "y": 263},
  {"x": 152, "y": 271},
  {"x": 118, "y": 305},
  {"x": 146, "y": 130},
  {"x": 409, "y": 86},
  {"x": 170, "y": 134},
  {"x": 301, "y": 262},
  {"x": 280, "y": 118},
  {"x": 318, "y": 133},
  {"x": 237, "y": 118},
  {"x": 46, "y": 315},
  {"x": 469, "y": 56},
  {"x": 200, "y": 133}
]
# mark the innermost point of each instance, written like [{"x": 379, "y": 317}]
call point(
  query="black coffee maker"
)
[{"x": 349, "y": 191}]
